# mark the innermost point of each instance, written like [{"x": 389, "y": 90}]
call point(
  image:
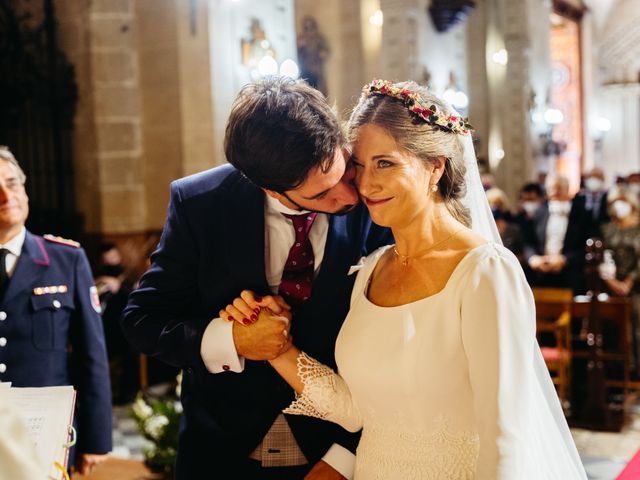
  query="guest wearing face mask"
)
[
  {"x": 622, "y": 237},
  {"x": 590, "y": 204},
  {"x": 633, "y": 183},
  {"x": 553, "y": 254},
  {"x": 114, "y": 284},
  {"x": 587, "y": 215},
  {"x": 532, "y": 197}
]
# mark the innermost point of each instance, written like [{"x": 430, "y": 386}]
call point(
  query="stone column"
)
[
  {"x": 501, "y": 96},
  {"x": 144, "y": 111},
  {"x": 620, "y": 153},
  {"x": 100, "y": 39},
  {"x": 399, "y": 49},
  {"x": 117, "y": 115},
  {"x": 176, "y": 98},
  {"x": 74, "y": 40}
]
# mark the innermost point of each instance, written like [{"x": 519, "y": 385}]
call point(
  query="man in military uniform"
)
[{"x": 50, "y": 327}]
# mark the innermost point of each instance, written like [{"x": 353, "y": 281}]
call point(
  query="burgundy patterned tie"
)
[{"x": 297, "y": 275}]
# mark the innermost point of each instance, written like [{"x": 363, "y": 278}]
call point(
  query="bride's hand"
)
[{"x": 247, "y": 306}]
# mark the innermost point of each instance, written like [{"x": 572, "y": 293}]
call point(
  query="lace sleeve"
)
[{"x": 325, "y": 395}]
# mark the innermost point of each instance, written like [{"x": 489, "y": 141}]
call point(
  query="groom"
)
[{"x": 265, "y": 223}]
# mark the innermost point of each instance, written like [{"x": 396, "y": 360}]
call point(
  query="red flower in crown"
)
[{"x": 413, "y": 101}]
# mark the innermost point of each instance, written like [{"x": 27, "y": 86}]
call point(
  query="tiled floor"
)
[
  {"x": 127, "y": 441},
  {"x": 604, "y": 454}
]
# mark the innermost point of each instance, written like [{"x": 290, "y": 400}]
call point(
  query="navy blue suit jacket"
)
[
  {"x": 57, "y": 338},
  {"x": 212, "y": 248}
]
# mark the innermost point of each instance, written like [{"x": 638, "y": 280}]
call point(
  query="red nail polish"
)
[
  {"x": 258, "y": 299},
  {"x": 231, "y": 319},
  {"x": 246, "y": 322},
  {"x": 254, "y": 317},
  {"x": 257, "y": 310}
]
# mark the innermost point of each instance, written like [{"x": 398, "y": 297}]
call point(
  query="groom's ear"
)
[{"x": 273, "y": 194}]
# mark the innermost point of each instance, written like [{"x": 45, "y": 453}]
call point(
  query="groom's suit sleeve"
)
[{"x": 160, "y": 318}]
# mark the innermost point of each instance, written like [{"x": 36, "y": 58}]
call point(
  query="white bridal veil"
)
[{"x": 548, "y": 450}]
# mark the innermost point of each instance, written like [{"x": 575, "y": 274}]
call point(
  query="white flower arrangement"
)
[
  {"x": 154, "y": 426},
  {"x": 158, "y": 421}
]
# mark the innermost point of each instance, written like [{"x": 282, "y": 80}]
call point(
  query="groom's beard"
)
[{"x": 342, "y": 211}]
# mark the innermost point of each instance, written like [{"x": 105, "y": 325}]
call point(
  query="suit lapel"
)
[
  {"x": 541, "y": 225},
  {"x": 33, "y": 262},
  {"x": 336, "y": 250},
  {"x": 243, "y": 218}
]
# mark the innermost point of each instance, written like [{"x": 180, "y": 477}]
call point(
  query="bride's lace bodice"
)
[{"x": 440, "y": 386}]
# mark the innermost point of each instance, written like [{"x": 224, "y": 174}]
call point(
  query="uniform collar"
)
[{"x": 15, "y": 244}]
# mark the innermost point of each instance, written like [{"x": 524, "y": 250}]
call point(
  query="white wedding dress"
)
[{"x": 444, "y": 387}]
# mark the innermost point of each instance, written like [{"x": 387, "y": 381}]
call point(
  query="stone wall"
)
[
  {"x": 341, "y": 25},
  {"x": 144, "y": 112}
]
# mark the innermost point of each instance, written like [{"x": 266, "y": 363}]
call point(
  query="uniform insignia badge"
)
[
  {"x": 50, "y": 290},
  {"x": 61, "y": 241},
  {"x": 95, "y": 299}
]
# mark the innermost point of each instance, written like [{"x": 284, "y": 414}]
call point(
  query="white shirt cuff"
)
[
  {"x": 341, "y": 460},
  {"x": 218, "y": 350}
]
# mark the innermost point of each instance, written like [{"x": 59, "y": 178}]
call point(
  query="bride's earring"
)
[{"x": 434, "y": 188}]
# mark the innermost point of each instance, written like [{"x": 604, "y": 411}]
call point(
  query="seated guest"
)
[
  {"x": 114, "y": 284},
  {"x": 633, "y": 183},
  {"x": 509, "y": 231},
  {"x": 622, "y": 237},
  {"x": 590, "y": 204},
  {"x": 588, "y": 213},
  {"x": 552, "y": 258},
  {"x": 532, "y": 197}
]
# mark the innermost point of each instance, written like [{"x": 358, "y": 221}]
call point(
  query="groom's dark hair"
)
[{"x": 278, "y": 130}]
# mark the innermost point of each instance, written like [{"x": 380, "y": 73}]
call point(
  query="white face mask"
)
[
  {"x": 593, "y": 184},
  {"x": 621, "y": 209},
  {"x": 530, "y": 207}
]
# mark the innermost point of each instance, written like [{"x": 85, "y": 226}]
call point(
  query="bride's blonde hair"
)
[{"x": 418, "y": 138}]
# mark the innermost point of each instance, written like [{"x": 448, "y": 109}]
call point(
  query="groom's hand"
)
[
  {"x": 264, "y": 339},
  {"x": 323, "y": 471}
]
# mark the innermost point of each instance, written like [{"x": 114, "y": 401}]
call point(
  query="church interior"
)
[{"x": 106, "y": 102}]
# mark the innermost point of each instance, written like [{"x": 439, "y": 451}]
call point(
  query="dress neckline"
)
[{"x": 457, "y": 268}]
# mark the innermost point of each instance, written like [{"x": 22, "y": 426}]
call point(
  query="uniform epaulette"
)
[{"x": 61, "y": 241}]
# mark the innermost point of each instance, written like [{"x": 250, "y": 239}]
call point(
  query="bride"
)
[{"x": 438, "y": 360}]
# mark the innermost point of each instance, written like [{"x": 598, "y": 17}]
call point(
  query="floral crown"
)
[{"x": 422, "y": 109}]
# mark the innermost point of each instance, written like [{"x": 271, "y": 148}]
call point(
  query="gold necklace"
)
[{"x": 404, "y": 259}]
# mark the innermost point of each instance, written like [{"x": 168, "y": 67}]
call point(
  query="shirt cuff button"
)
[{"x": 226, "y": 368}]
